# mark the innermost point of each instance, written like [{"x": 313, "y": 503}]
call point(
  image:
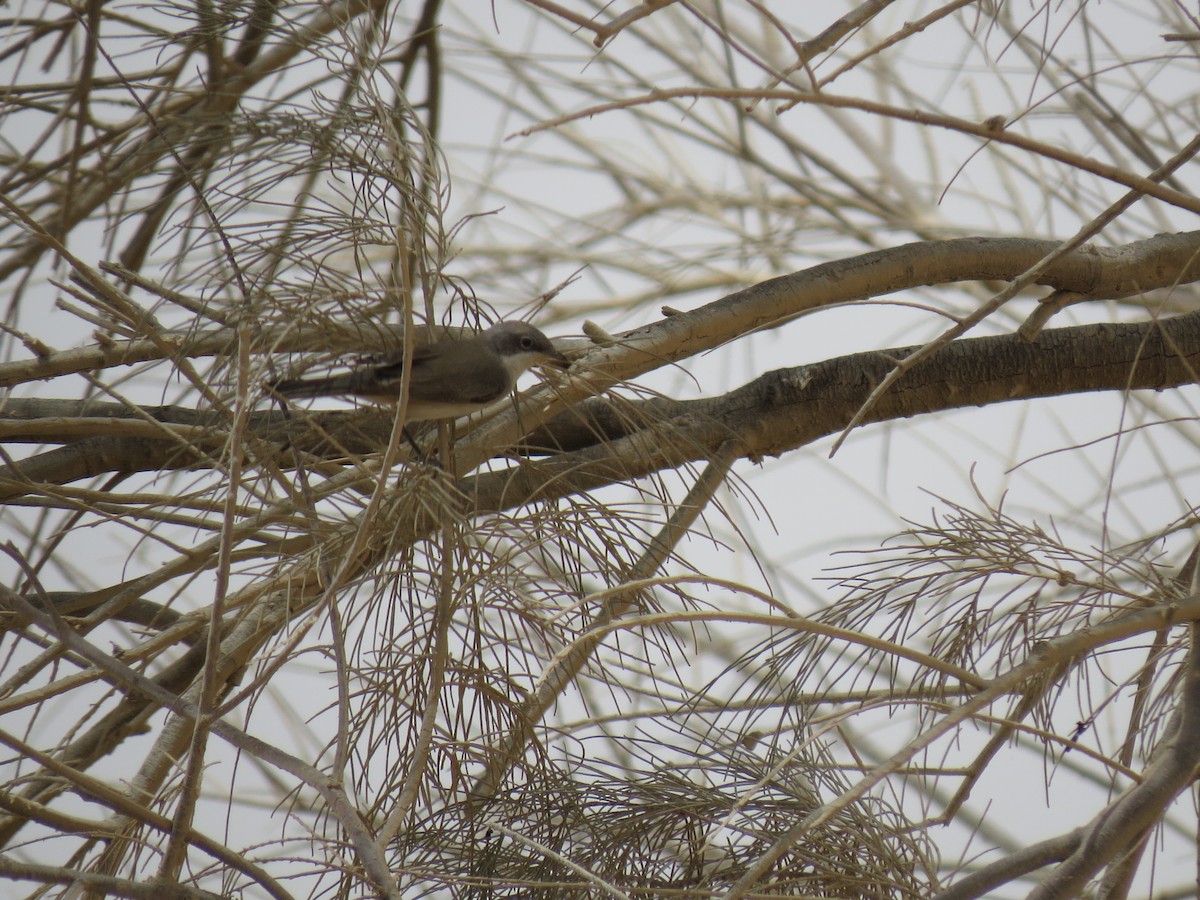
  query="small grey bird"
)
[{"x": 449, "y": 378}]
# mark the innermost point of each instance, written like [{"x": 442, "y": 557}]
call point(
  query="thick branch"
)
[{"x": 777, "y": 412}]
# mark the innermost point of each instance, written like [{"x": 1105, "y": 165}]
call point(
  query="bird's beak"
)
[{"x": 555, "y": 360}]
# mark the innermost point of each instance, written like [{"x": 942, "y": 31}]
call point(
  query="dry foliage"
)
[{"x": 261, "y": 650}]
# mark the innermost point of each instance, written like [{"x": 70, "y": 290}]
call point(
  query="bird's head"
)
[{"x": 521, "y": 346}]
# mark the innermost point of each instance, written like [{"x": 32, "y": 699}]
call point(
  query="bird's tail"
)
[{"x": 316, "y": 387}]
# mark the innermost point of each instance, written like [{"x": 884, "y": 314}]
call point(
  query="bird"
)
[{"x": 448, "y": 379}]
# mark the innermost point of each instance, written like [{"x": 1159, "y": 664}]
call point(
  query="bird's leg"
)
[
  {"x": 418, "y": 453},
  {"x": 425, "y": 459}
]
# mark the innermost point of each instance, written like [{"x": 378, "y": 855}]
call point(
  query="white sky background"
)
[{"x": 546, "y": 221}]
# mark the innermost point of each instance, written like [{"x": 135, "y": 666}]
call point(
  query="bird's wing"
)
[{"x": 438, "y": 379}]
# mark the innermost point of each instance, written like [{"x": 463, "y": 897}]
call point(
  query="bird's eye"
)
[{"x": 526, "y": 343}]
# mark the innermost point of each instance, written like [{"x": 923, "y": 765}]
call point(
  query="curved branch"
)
[
  {"x": 1163, "y": 261},
  {"x": 1014, "y": 866}
]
